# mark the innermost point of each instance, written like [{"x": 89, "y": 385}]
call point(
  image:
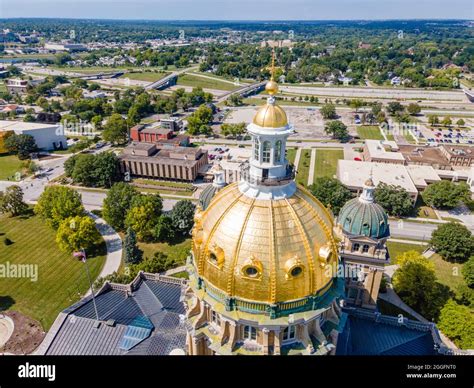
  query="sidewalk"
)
[{"x": 114, "y": 247}]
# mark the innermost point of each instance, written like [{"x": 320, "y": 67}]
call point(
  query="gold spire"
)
[
  {"x": 271, "y": 115},
  {"x": 272, "y": 87}
]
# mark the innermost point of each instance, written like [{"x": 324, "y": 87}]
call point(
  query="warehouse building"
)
[{"x": 47, "y": 136}]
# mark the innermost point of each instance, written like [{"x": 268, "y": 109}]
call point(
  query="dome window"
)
[
  {"x": 296, "y": 271},
  {"x": 293, "y": 268},
  {"x": 252, "y": 268},
  {"x": 251, "y": 272},
  {"x": 216, "y": 256}
]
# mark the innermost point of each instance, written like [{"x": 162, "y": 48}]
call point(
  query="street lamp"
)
[{"x": 81, "y": 255}]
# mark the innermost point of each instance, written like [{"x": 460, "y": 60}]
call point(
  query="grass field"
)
[
  {"x": 61, "y": 279},
  {"x": 369, "y": 132},
  {"x": 145, "y": 76},
  {"x": 177, "y": 252},
  {"x": 205, "y": 83},
  {"x": 326, "y": 162},
  {"x": 291, "y": 154},
  {"x": 426, "y": 212},
  {"x": 448, "y": 273},
  {"x": 303, "y": 167},
  {"x": 142, "y": 181},
  {"x": 395, "y": 249},
  {"x": 9, "y": 166}
]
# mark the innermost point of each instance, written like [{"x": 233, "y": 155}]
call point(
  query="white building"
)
[{"x": 47, "y": 136}]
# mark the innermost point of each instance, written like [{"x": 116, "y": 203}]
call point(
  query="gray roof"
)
[{"x": 149, "y": 298}]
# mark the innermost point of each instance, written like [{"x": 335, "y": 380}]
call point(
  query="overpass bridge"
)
[
  {"x": 164, "y": 83},
  {"x": 102, "y": 75},
  {"x": 244, "y": 91}
]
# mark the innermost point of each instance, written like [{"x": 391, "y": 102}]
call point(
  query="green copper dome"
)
[{"x": 362, "y": 217}]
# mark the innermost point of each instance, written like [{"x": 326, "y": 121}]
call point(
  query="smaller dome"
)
[
  {"x": 271, "y": 88},
  {"x": 270, "y": 116},
  {"x": 363, "y": 219}
]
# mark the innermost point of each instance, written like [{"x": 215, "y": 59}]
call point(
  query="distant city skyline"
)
[{"x": 240, "y": 9}]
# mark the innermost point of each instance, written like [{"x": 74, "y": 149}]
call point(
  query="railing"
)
[
  {"x": 268, "y": 181},
  {"x": 244, "y": 305}
]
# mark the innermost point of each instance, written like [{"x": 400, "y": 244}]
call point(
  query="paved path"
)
[
  {"x": 312, "y": 166},
  {"x": 297, "y": 158},
  {"x": 114, "y": 246}
]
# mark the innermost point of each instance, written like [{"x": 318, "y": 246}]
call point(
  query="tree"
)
[
  {"x": 356, "y": 103},
  {"x": 182, "y": 216},
  {"x": 395, "y": 107},
  {"x": 76, "y": 233},
  {"x": 328, "y": 111},
  {"x": 117, "y": 203},
  {"x": 433, "y": 120},
  {"x": 376, "y": 109},
  {"x": 394, "y": 199},
  {"x": 156, "y": 264},
  {"x": 132, "y": 254},
  {"x": 143, "y": 215},
  {"x": 116, "y": 129},
  {"x": 11, "y": 201},
  {"x": 453, "y": 241},
  {"x": 164, "y": 230},
  {"x": 447, "y": 122},
  {"x": 21, "y": 145},
  {"x": 413, "y": 109},
  {"x": 199, "y": 121},
  {"x": 330, "y": 191},
  {"x": 468, "y": 272},
  {"x": 57, "y": 203},
  {"x": 460, "y": 123},
  {"x": 446, "y": 194},
  {"x": 337, "y": 129},
  {"x": 416, "y": 284},
  {"x": 457, "y": 322}
]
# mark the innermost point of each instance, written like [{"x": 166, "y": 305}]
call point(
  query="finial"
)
[
  {"x": 272, "y": 87},
  {"x": 272, "y": 77}
]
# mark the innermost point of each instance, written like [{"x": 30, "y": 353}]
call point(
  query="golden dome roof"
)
[
  {"x": 264, "y": 250},
  {"x": 271, "y": 116}
]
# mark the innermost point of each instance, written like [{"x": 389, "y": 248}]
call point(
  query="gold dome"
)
[
  {"x": 264, "y": 250},
  {"x": 271, "y": 116}
]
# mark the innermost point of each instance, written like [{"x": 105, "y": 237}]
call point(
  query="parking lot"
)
[{"x": 308, "y": 122}]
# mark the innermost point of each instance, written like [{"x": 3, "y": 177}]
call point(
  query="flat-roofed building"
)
[
  {"x": 425, "y": 156},
  {"x": 458, "y": 155},
  {"x": 422, "y": 176},
  {"x": 173, "y": 123},
  {"x": 47, "y": 136},
  {"x": 353, "y": 175},
  {"x": 17, "y": 86},
  {"x": 152, "y": 161},
  {"x": 382, "y": 152}
]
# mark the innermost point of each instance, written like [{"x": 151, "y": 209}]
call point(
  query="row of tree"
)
[{"x": 125, "y": 207}]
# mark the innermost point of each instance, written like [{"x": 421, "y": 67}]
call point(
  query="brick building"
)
[{"x": 154, "y": 161}]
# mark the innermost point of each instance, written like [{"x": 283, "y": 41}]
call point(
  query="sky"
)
[{"x": 240, "y": 9}]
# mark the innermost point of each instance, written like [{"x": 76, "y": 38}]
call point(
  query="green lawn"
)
[
  {"x": 9, "y": 166},
  {"x": 447, "y": 273},
  {"x": 143, "y": 181},
  {"x": 145, "y": 76},
  {"x": 326, "y": 162},
  {"x": 396, "y": 248},
  {"x": 61, "y": 280},
  {"x": 205, "y": 83},
  {"x": 370, "y": 132},
  {"x": 178, "y": 252},
  {"x": 303, "y": 167},
  {"x": 410, "y": 139},
  {"x": 291, "y": 154}
]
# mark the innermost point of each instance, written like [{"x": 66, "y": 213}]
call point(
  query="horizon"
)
[{"x": 243, "y": 10}]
